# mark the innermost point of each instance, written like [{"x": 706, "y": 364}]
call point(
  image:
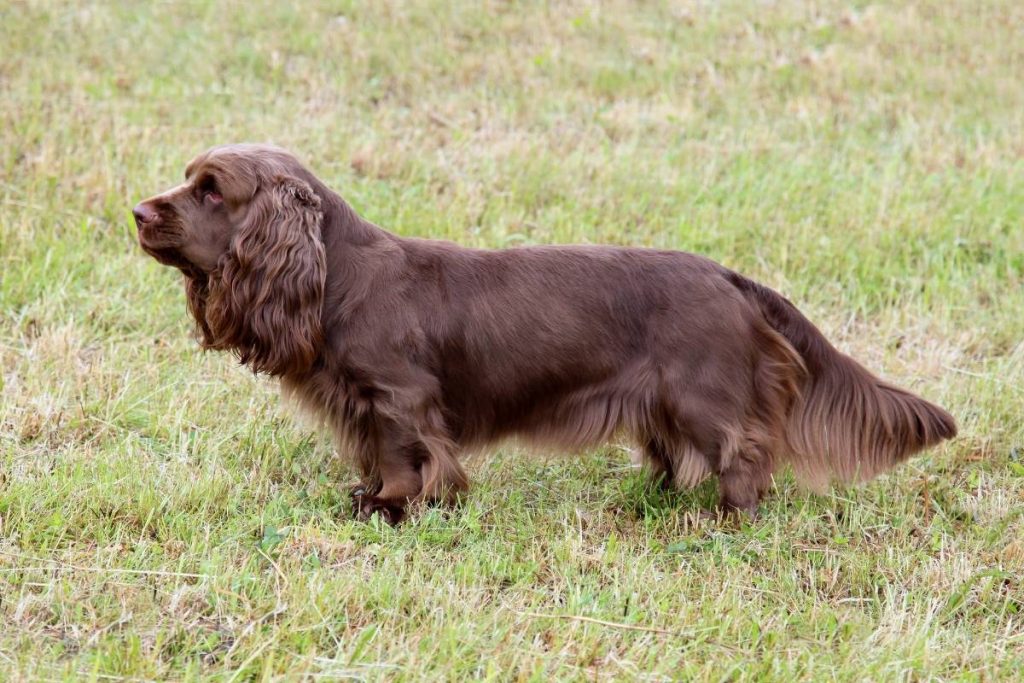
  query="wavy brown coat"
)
[{"x": 415, "y": 351}]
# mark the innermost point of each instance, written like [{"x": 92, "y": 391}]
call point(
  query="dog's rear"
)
[{"x": 844, "y": 423}]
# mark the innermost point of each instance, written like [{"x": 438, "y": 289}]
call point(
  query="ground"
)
[{"x": 164, "y": 515}]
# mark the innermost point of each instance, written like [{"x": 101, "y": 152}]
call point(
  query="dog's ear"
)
[
  {"x": 266, "y": 300},
  {"x": 196, "y": 293}
]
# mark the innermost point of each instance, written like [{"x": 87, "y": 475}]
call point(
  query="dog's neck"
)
[
  {"x": 341, "y": 224},
  {"x": 359, "y": 257}
]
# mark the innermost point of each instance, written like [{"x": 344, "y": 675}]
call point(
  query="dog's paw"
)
[
  {"x": 367, "y": 506},
  {"x": 359, "y": 490}
]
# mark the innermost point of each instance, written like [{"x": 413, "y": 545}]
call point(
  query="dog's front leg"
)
[
  {"x": 393, "y": 464},
  {"x": 413, "y": 462}
]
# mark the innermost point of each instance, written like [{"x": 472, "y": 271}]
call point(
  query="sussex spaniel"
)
[{"x": 416, "y": 350}]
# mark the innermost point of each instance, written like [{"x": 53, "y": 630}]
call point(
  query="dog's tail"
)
[{"x": 846, "y": 423}]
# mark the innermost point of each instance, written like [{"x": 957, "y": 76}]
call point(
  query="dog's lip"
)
[
  {"x": 150, "y": 237},
  {"x": 161, "y": 248},
  {"x": 169, "y": 257}
]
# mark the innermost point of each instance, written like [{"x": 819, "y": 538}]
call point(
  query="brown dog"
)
[{"x": 414, "y": 350}]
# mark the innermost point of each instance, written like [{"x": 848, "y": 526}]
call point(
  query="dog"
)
[{"x": 414, "y": 351}]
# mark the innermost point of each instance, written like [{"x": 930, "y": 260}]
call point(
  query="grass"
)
[{"x": 163, "y": 516}]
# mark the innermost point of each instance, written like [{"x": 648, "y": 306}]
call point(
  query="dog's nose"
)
[{"x": 144, "y": 214}]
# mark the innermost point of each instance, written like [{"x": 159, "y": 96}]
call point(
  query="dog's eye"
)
[{"x": 207, "y": 190}]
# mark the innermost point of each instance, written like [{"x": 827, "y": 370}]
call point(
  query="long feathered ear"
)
[
  {"x": 196, "y": 292},
  {"x": 266, "y": 300}
]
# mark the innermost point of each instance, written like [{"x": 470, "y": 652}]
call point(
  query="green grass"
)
[{"x": 163, "y": 515}]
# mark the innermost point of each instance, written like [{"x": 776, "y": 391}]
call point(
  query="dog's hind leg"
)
[
  {"x": 744, "y": 478},
  {"x": 675, "y": 464},
  {"x": 748, "y": 459},
  {"x": 657, "y": 462}
]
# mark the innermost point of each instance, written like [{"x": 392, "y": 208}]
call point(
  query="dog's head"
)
[{"x": 245, "y": 229}]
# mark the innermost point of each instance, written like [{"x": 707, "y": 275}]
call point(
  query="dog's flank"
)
[{"x": 417, "y": 350}]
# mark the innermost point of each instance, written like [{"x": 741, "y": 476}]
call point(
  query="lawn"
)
[{"x": 165, "y": 515}]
